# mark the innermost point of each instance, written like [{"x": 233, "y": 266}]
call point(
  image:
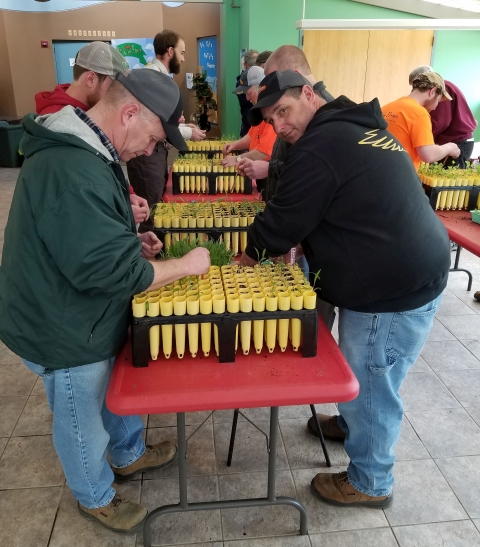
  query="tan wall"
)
[
  {"x": 7, "y": 99},
  {"x": 193, "y": 21},
  {"x": 26, "y": 68},
  {"x": 33, "y": 68}
]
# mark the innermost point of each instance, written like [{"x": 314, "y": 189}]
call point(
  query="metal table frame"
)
[{"x": 184, "y": 506}]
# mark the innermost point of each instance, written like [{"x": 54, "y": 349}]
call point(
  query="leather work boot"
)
[
  {"x": 329, "y": 426},
  {"x": 122, "y": 516},
  {"x": 157, "y": 456},
  {"x": 335, "y": 489}
]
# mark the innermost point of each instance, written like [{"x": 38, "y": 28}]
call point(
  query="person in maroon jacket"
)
[
  {"x": 452, "y": 121},
  {"x": 96, "y": 66}
]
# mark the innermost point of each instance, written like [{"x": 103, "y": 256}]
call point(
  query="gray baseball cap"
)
[
  {"x": 160, "y": 94},
  {"x": 253, "y": 76},
  {"x": 102, "y": 58}
]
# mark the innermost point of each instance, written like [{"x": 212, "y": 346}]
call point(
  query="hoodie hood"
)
[
  {"x": 60, "y": 129},
  {"x": 49, "y": 102},
  {"x": 343, "y": 109}
]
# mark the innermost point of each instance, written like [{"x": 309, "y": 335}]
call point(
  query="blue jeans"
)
[
  {"x": 380, "y": 349},
  {"x": 84, "y": 430}
]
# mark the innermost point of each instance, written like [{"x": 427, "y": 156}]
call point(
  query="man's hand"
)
[
  {"x": 229, "y": 147},
  {"x": 197, "y": 261},
  {"x": 151, "y": 245},
  {"x": 245, "y": 260},
  {"x": 140, "y": 208},
  {"x": 452, "y": 149},
  {"x": 198, "y": 134},
  {"x": 181, "y": 119},
  {"x": 228, "y": 161},
  {"x": 257, "y": 169}
]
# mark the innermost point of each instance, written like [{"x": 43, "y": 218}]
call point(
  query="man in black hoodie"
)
[{"x": 349, "y": 194}]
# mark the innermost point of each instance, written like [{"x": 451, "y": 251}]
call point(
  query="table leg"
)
[
  {"x": 184, "y": 506},
  {"x": 457, "y": 269}
]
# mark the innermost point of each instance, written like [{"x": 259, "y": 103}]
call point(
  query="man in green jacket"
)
[{"x": 71, "y": 262}]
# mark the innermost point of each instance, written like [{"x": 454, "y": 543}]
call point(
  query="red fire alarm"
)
[{"x": 44, "y": 43}]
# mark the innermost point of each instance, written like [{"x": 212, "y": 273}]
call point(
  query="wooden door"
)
[
  {"x": 392, "y": 55},
  {"x": 339, "y": 58},
  {"x": 363, "y": 64}
]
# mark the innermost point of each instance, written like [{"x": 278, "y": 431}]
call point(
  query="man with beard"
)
[
  {"x": 96, "y": 66},
  {"x": 148, "y": 174},
  {"x": 409, "y": 120}
]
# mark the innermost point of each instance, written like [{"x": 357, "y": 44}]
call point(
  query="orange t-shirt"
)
[
  {"x": 262, "y": 138},
  {"x": 410, "y": 124}
]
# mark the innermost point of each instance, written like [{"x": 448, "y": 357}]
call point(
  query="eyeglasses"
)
[{"x": 165, "y": 144}]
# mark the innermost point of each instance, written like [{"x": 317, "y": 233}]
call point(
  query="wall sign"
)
[{"x": 207, "y": 59}]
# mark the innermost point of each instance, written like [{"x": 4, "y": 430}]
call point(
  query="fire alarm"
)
[{"x": 44, "y": 43}]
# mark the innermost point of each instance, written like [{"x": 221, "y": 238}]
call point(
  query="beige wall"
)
[
  {"x": 26, "y": 68},
  {"x": 7, "y": 99},
  {"x": 33, "y": 68}
]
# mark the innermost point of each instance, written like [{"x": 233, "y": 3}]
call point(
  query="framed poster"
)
[
  {"x": 207, "y": 61},
  {"x": 138, "y": 51}
]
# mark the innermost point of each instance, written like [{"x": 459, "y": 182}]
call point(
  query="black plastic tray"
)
[
  {"x": 226, "y": 324},
  {"x": 433, "y": 191}
]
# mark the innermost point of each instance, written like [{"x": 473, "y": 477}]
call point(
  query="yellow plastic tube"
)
[
  {"x": 233, "y": 306},
  {"x": 192, "y": 223},
  {"x": 183, "y": 224},
  {"x": 193, "y": 308},
  {"x": 138, "y": 307},
  {"x": 203, "y": 188},
  {"x": 271, "y": 304},
  {"x": 296, "y": 303},
  {"x": 167, "y": 223},
  {"x": 235, "y": 224},
  {"x": 243, "y": 235},
  {"x": 187, "y": 179},
  {"x": 206, "y": 307},
  {"x": 246, "y": 306},
  {"x": 258, "y": 301},
  {"x": 283, "y": 305},
  {"x": 166, "y": 310},
  {"x": 218, "y": 307},
  {"x": 180, "y": 308},
  {"x": 154, "y": 332},
  {"x": 227, "y": 236},
  {"x": 309, "y": 300}
]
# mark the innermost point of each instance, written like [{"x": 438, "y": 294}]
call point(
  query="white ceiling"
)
[{"x": 436, "y": 9}]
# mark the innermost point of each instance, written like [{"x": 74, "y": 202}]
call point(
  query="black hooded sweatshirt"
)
[{"x": 350, "y": 195}]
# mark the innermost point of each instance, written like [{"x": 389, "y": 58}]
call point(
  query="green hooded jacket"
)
[{"x": 71, "y": 257}]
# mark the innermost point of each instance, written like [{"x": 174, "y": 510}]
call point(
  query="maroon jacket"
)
[
  {"x": 49, "y": 102},
  {"x": 452, "y": 121}
]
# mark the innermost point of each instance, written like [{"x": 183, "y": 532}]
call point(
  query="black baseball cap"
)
[
  {"x": 272, "y": 87},
  {"x": 160, "y": 94}
]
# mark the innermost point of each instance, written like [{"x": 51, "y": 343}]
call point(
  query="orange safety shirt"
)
[
  {"x": 410, "y": 124},
  {"x": 262, "y": 138}
]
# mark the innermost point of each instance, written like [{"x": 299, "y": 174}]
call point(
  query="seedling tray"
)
[
  {"x": 211, "y": 178},
  {"x": 433, "y": 191},
  {"x": 227, "y": 326}
]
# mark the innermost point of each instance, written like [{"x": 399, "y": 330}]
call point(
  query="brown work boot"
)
[
  {"x": 122, "y": 516},
  {"x": 157, "y": 456},
  {"x": 329, "y": 426},
  {"x": 335, "y": 489}
]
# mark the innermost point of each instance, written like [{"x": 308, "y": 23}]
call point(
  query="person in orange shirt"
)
[
  {"x": 409, "y": 120},
  {"x": 259, "y": 140}
]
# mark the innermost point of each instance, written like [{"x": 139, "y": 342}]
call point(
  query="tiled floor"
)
[{"x": 437, "y": 490}]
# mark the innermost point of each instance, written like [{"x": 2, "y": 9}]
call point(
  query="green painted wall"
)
[
  {"x": 229, "y": 63},
  {"x": 456, "y": 56},
  {"x": 268, "y": 24}
]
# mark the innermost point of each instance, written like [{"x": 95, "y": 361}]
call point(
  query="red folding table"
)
[
  {"x": 465, "y": 233},
  {"x": 257, "y": 380}
]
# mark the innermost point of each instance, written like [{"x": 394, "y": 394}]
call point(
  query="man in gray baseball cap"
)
[
  {"x": 83, "y": 260},
  {"x": 249, "y": 60}
]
